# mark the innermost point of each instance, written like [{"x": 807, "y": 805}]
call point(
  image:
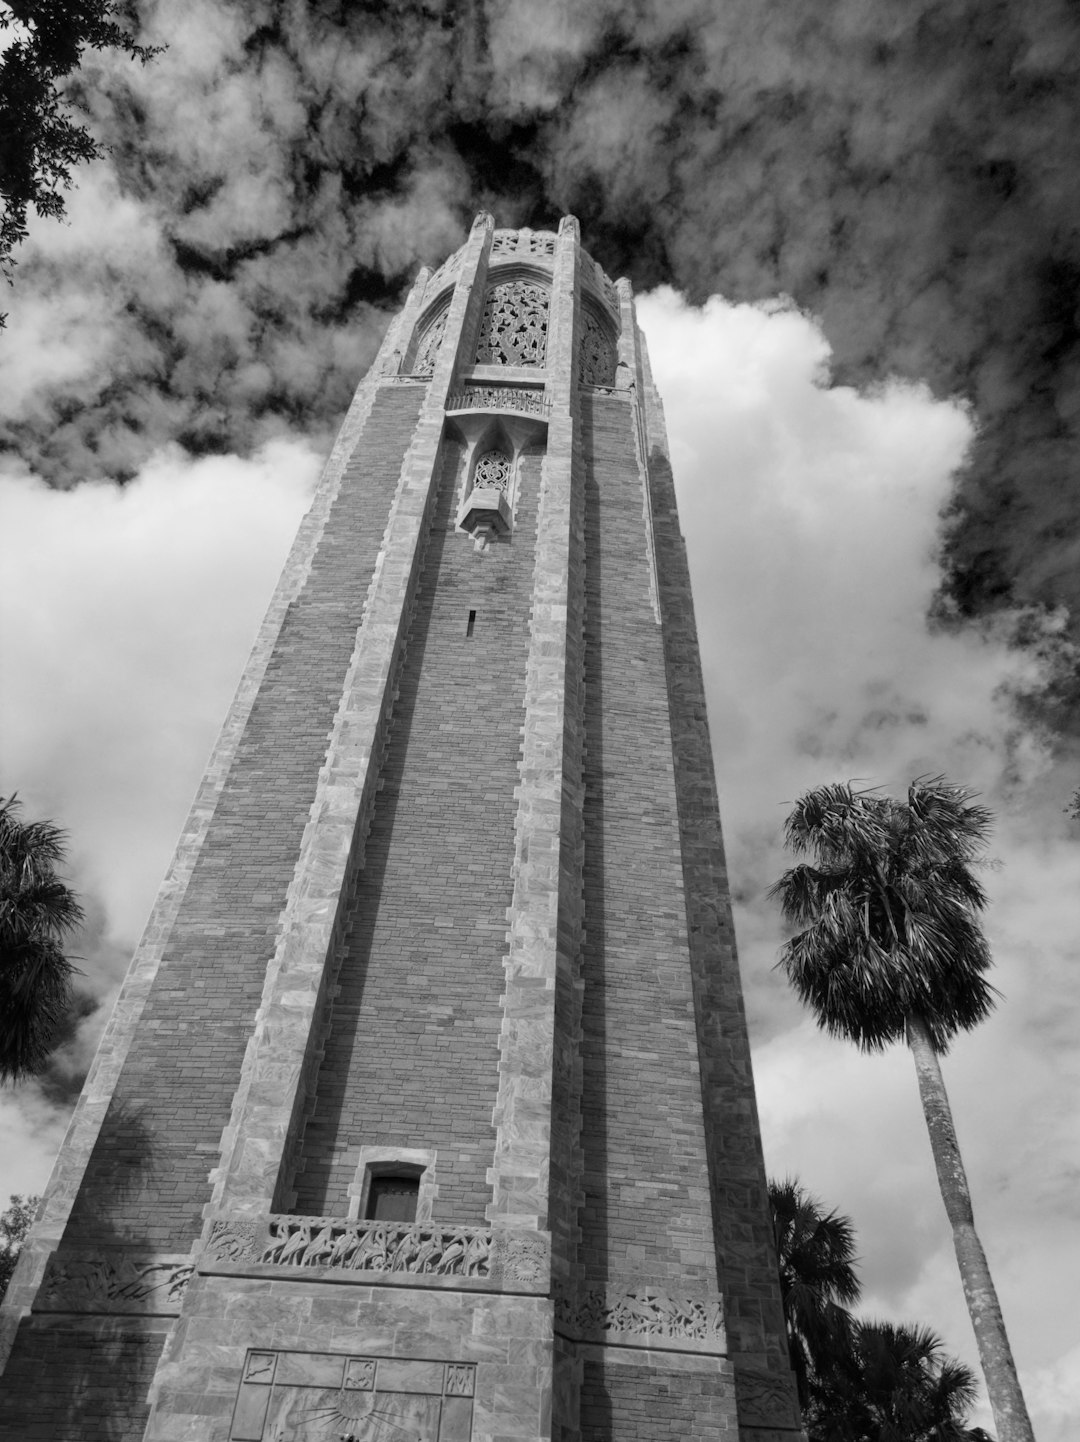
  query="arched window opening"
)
[{"x": 513, "y": 329}]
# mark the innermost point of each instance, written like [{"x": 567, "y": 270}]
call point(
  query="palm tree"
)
[
  {"x": 36, "y": 911},
  {"x": 891, "y": 948},
  {"x": 816, "y": 1252},
  {"x": 893, "y": 1384}
]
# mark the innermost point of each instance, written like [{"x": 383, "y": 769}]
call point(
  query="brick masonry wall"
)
[
  {"x": 647, "y": 1215},
  {"x": 744, "y": 1235},
  {"x": 146, "y": 1182},
  {"x": 74, "y": 1381},
  {"x": 624, "y": 1403},
  {"x": 411, "y": 1056}
]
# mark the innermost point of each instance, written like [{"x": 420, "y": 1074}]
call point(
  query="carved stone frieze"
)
[
  {"x": 765, "y": 1399},
  {"x": 378, "y": 1247},
  {"x": 643, "y": 1317},
  {"x": 597, "y": 360},
  {"x": 523, "y": 242},
  {"x": 107, "y": 1281},
  {"x": 518, "y": 1259},
  {"x": 513, "y": 329}
]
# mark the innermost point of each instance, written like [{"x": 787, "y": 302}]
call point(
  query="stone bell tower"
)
[{"x": 426, "y": 1109}]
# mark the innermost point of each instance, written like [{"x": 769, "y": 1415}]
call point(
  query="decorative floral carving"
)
[
  {"x": 100, "y": 1281},
  {"x": 500, "y": 398},
  {"x": 513, "y": 329},
  {"x": 597, "y": 359},
  {"x": 765, "y": 1399},
  {"x": 378, "y": 1247},
  {"x": 527, "y": 242},
  {"x": 234, "y": 1241},
  {"x": 644, "y": 1314},
  {"x": 428, "y": 347},
  {"x": 523, "y": 1256},
  {"x": 492, "y": 472}
]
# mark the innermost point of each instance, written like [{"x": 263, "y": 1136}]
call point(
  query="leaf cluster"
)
[
  {"x": 893, "y": 1383},
  {"x": 859, "y": 1381},
  {"x": 37, "y": 912},
  {"x": 816, "y": 1253},
  {"x": 14, "y": 1225},
  {"x": 40, "y": 142},
  {"x": 888, "y": 910}
]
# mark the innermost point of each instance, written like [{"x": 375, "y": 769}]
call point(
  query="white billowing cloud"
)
[
  {"x": 138, "y": 608},
  {"x": 128, "y": 615},
  {"x": 813, "y": 522},
  {"x": 812, "y": 516},
  {"x": 62, "y": 326}
]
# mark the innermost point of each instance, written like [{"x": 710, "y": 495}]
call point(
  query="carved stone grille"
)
[
  {"x": 428, "y": 349},
  {"x": 527, "y": 242},
  {"x": 513, "y": 331},
  {"x": 597, "y": 353},
  {"x": 492, "y": 471}
]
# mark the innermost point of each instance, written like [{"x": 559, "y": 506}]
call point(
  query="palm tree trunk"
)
[{"x": 999, "y": 1369}]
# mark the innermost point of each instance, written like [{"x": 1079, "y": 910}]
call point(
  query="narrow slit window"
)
[
  {"x": 471, "y": 623},
  {"x": 393, "y": 1199}
]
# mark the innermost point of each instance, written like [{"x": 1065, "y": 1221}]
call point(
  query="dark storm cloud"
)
[{"x": 906, "y": 172}]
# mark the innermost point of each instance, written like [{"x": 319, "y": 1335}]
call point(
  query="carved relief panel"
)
[
  {"x": 325, "y": 1397},
  {"x": 513, "y": 329}
]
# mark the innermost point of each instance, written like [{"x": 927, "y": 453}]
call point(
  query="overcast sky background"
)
[{"x": 874, "y": 443}]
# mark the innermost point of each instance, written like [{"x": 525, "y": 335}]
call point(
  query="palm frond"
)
[
  {"x": 887, "y": 910},
  {"x": 37, "y": 910}
]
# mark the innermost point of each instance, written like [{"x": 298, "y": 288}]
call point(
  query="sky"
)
[{"x": 854, "y": 237}]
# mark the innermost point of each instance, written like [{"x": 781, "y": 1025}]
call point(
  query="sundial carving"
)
[{"x": 328, "y": 1397}]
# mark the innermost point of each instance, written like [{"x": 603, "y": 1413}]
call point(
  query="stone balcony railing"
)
[
  {"x": 500, "y": 398},
  {"x": 387, "y": 1253}
]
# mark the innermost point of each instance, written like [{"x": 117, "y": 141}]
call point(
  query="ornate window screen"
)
[
  {"x": 492, "y": 472},
  {"x": 513, "y": 330},
  {"x": 597, "y": 360},
  {"x": 428, "y": 348},
  {"x": 529, "y": 242}
]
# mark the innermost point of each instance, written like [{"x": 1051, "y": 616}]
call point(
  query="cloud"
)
[
  {"x": 119, "y": 671},
  {"x": 813, "y": 513},
  {"x": 813, "y": 517},
  {"x": 137, "y": 610},
  {"x": 904, "y": 174}
]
